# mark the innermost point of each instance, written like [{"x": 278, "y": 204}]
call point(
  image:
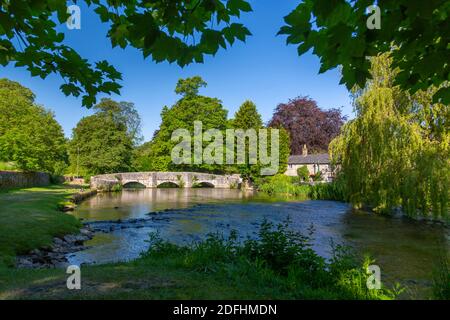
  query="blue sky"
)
[{"x": 263, "y": 70}]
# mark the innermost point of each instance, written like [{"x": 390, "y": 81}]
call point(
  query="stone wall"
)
[{"x": 11, "y": 179}]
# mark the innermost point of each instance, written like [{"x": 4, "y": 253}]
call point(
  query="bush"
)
[
  {"x": 116, "y": 187},
  {"x": 328, "y": 191},
  {"x": 56, "y": 179},
  {"x": 87, "y": 179},
  {"x": 112, "y": 187},
  {"x": 303, "y": 174},
  {"x": 282, "y": 184},
  {"x": 280, "y": 260},
  {"x": 318, "y": 176}
]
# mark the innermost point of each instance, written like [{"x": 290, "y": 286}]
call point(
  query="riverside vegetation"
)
[
  {"x": 30, "y": 219},
  {"x": 394, "y": 154},
  {"x": 280, "y": 264},
  {"x": 294, "y": 187}
]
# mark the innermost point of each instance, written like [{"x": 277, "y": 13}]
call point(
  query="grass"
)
[
  {"x": 29, "y": 219},
  {"x": 281, "y": 265},
  {"x": 328, "y": 191},
  {"x": 8, "y": 166}
]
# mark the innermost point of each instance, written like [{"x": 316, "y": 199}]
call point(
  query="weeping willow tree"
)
[{"x": 395, "y": 153}]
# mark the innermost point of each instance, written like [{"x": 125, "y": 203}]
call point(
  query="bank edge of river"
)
[{"x": 54, "y": 256}]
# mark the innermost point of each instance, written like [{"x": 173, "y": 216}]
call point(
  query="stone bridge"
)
[{"x": 156, "y": 179}]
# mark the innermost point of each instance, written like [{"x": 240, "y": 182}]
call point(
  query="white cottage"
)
[{"x": 314, "y": 163}]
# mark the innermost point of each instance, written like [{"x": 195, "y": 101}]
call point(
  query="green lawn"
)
[
  {"x": 29, "y": 219},
  {"x": 141, "y": 279}
]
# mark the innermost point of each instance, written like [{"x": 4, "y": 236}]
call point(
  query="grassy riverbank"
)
[
  {"x": 279, "y": 266},
  {"x": 290, "y": 186},
  {"x": 29, "y": 219},
  {"x": 176, "y": 273}
]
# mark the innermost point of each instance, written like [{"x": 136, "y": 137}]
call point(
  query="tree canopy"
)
[
  {"x": 307, "y": 124},
  {"x": 191, "y": 107},
  {"x": 190, "y": 87},
  {"x": 29, "y": 134},
  {"x": 390, "y": 155},
  {"x": 416, "y": 32},
  {"x": 155, "y": 155},
  {"x": 247, "y": 117},
  {"x": 103, "y": 142},
  {"x": 174, "y": 31},
  {"x": 123, "y": 112}
]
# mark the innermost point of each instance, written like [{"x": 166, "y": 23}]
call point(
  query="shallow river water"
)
[{"x": 406, "y": 251}]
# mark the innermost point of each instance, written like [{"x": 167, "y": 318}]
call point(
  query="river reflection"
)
[
  {"x": 406, "y": 251},
  {"x": 136, "y": 203}
]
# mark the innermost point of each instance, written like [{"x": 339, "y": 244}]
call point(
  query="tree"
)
[
  {"x": 416, "y": 33},
  {"x": 389, "y": 156},
  {"x": 103, "y": 143},
  {"x": 165, "y": 30},
  {"x": 285, "y": 150},
  {"x": 124, "y": 112},
  {"x": 142, "y": 160},
  {"x": 192, "y": 107},
  {"x": 307, "y": 124},
  {"x": 247, "y": 117},
  {"x": 336, "y": 30},
  {"x": 29, "y": 135},
  {"x": 189, "y": 87}
]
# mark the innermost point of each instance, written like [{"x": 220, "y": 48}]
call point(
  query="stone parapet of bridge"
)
[{"x": 155, "y": 179}]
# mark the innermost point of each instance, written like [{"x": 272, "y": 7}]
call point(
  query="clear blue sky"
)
[{"x": 263, "y": 70}]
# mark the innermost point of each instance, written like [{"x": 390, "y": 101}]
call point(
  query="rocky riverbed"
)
[{"x": 54, "y": 256}]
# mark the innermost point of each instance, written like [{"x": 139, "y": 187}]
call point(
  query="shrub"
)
[
  {"x": 113, "y": 187},
  {"x": 180, "y": 181},
  {"x": 116, "y": 187},
  {"x": 56, "y": 179},
  {"x": 87, "y": 179},
  {"x": 282, "y": 184},
  {"x": 303, "y": 173},
  {"x": 280, "y": 260},
  {"x": 318, "y": 176},
  {"x": 328, "y": 191}
]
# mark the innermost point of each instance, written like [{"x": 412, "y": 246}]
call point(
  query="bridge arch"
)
[
  {"x": 203, "y": 184},
  {"x": 168, "y": 184},
  {"x": 165, "y": 179},
  {"x": 134, "y": 185}
]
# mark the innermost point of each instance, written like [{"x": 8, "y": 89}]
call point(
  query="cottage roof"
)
[{"x": 321, "y": 158}]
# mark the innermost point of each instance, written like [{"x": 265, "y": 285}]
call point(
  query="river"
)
[{"x": 405, "y": 250}]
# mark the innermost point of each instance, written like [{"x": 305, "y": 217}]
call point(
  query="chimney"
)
[{"x": 305, "y": 150}]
